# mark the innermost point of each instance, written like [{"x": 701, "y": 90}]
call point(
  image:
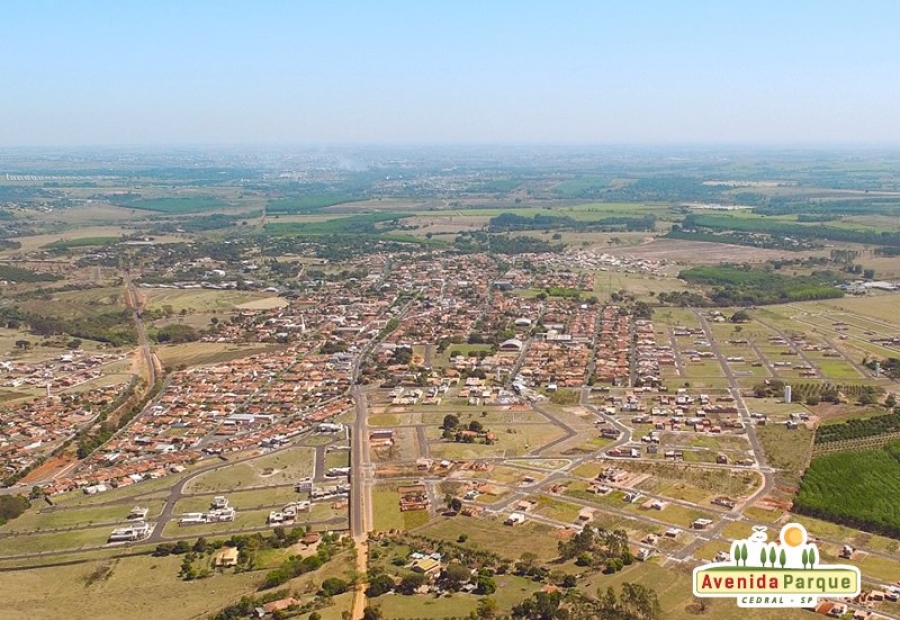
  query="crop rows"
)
[
  {"x": 857, "y": 489},
  {"x": 859, "y": 429}
]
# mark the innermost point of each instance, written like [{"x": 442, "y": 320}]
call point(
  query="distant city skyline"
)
[{"x": 421, "y": 73}]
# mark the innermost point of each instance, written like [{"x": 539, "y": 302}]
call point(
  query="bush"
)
[{"x": 334, "y": 586}]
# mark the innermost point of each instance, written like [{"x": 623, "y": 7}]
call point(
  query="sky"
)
[{"x": 129, "y": 72}]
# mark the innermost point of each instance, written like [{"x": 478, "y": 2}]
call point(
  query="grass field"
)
[
  {"x": 512, "y": 440},
  {"x": 511, "y": 590},
  {"x": 673, "y": 586},
  {"x": 198, "y": 300},
  {"x": 283, "y": 467},
  {"x": 80, "y": 231},
  {"x": 80, "y": 304},
  {"x": 386, "y": 509},
  {"x": 786, "y": 450},
  {"x": 38, "y": 543},
  {"x": 202, "y": 353},
  {"x": 142, "y": 587},
  {"x": 492, "y": 535},
  {"x": 242, "y": 500},
  {"x": 42, "y": 517},
  {"x": 881, "y": 306}
]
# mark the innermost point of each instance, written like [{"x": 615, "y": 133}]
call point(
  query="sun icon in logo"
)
[{"x": 793, "y": 535}]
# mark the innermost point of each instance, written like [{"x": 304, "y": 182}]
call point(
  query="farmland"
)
[{"x": 854, "y": 488}]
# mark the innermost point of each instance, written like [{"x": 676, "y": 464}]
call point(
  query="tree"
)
[
  {"x": 180, "y": 547},
  {"x": 372, "y": 613},
  {"x": 454, "y": 576},
  {"x": 334, "y": 586},
  {"x": 411, "y": 582},
  {"x": 741, "y": 316},
  {"x": 487, "y": 609},
  {"x": 23, "y": 345},
  {"x": 640, "y": 602},
  {"x": 380, "y": 584},
  {"x": 485, "y": 585},
  {"x": 12, "y": 506},
  {"x": 475, "y": 426},
  {"x": 450, "y": 422},
  {"x": 782, "y": 559},
  {"x": 526, "y": 561},
  {"x": 456, "y": 504}
]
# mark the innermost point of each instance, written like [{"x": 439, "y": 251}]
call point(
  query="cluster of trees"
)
[
  {"x": 826, "y": 209},
  {"x": 814, "y": 393},
  {"x": 859, "y": 429},
  {"x": 598, "y": 548},
  {"x": 17, "y": 274},
  {"x": 855, "y": 488},
  {"x": 357, "y": 224},
  {"x": 665, "y": 188},
  {"x": 12, "y": 506},
  {"x": 204, "y": 223},
  {"x": 115, "y": 328},
  {"x": 309, "y": 203},
  {"x": 480, "y": 241},
  {"x": 782, "y": 228},
  {"x": 295, "y": 566},
  {"x": 634, "y": 602},
  {"x": 890, "y": 367},
  {"x": 744, "y": 285},
  {"x": 755, "y": 240},
  {"x": 175, "y": 333},
  {"x": 506, "y": 222},
  {"x": 461, "y": 433},
  {"x": 769, "y": 388},
  {"x": 247, "y": 605},
  {"x": 684, "y": 299},
  {"x": 452, "y": 578}
]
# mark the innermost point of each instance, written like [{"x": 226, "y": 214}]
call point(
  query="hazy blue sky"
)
[{"x": 381, "y": 71}]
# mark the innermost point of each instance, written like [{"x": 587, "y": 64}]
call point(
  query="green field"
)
[
  {"x": 386, "y": 508},
  {"x": 81, "y": 242},
  {"x": 283, "y": 467},
  {"x": 197, "y": 300},
  {"x": 786, "y": 450},
  {"x": 193, "y": 354},
  {"x": 854, "y": 488},
  {"x": 41, "y": 517},
  {"x": 176, "y": 205},
  {"x": 142, "y": 587},
  {"x": 511, "y": 590},
  {"x": 492, "y": 535}
]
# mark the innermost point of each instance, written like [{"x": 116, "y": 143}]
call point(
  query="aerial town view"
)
[{"x": 381, "y": 375}]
